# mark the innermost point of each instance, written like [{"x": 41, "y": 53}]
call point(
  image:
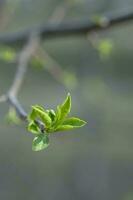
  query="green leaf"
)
[
  {"x": 105, "y": 48},
  {"x": 33, "y": 128},
  {"x": 64, "y": 128},
  {"x": 75, "y": 122},
  {"x": 65, "y": 107},
  {"x": 51, "y": 114},
  {"x": 39, "y": 107},
  {"x": 33, "y": 115},
  {"x": 40, "y": 142},
  {"x": 62, "y": 111},
  {"x": 69, "y": 124},
  {"x": 57, "y": 115},
  {"x": 42, "y": 115}
]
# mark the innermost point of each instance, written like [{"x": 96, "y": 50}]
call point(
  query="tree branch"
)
[
  {"x": 23, "y": 60},
  {"x": 11, "y": 96},
  {"x": 67, "y": 28}
]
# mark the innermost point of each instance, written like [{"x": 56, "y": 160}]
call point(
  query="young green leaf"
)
[
  {"x": 39, "y": 107},
  {"x": 62, "y": 111},
  {"x": 53, "y": 122},
  {"x": 42, "y": 115},
  {"x": 64, "y": 128},
  {"x": 70, "y": 123},
  {"x": 33, "y": 115},
  {"x": 33, "y": 128},
  {"x": 40, "y": 142},
  {"x": 65, "y": 107},
  {"x": 57, "y": 116},
  {"x": 75, "y": 122},
  {"x": 51, "y": 114}
]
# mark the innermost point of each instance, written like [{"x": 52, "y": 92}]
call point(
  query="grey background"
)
[{"x": 95, "y": 162}]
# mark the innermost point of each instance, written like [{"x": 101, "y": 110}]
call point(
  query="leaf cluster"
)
[{"x": 53, "y": 121}]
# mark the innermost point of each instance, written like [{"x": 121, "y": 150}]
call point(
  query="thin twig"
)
[
  {"x": 13, "y": 101},
  {"x": 53, "y": 67},
  {"x": 11, "y": 96},
  {"x": 74, "y": 27},
  {"x": 23, "y": 61}
]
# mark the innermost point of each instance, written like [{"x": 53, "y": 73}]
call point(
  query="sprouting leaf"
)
[
  {"x": 57, "y": 116},
  {"x": 53, "y": 122},
  {"x": 63, "y": 110},
  {"x": 40, "y": 142},
  {"x": 51, "y": 114},
  {"x": 39, "y": 113},
  {"x": 40, "y": 108},
  {"x": 75, "y": 122},
  {"x": 65, "y": 107},
  {"x": 33, "y": 128},
  {"x": 32, "y": 115},
  {"x": 64, "y": 128},
  {"x": 70, "y": 123}
]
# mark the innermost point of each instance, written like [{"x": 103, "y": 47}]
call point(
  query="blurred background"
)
[{"x": 96, "y": 161}]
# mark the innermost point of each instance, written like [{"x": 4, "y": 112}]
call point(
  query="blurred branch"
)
[
  {"x": 23, "y": 60},
  {"x": 67, "y": 28},
  {"x": 59, "y": 12},
  {"x": 54, "y": 68}
]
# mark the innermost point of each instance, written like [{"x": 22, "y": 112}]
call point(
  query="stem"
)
[{"x": 81, "y": 27}]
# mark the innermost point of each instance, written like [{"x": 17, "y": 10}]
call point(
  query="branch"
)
[
  {"x": 11, "y": 96},
  {"x": 23, "y": 60},
  {"x": 67, "y": 28}
]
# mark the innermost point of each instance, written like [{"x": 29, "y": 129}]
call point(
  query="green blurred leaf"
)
[
  {"x": 105, "y": 48},
  {"x": 7, "y": 54},
  {"x": 69, "y": 79},
  {"x": 40, "y": 142},
  {"x": 12, "y": 117}
]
